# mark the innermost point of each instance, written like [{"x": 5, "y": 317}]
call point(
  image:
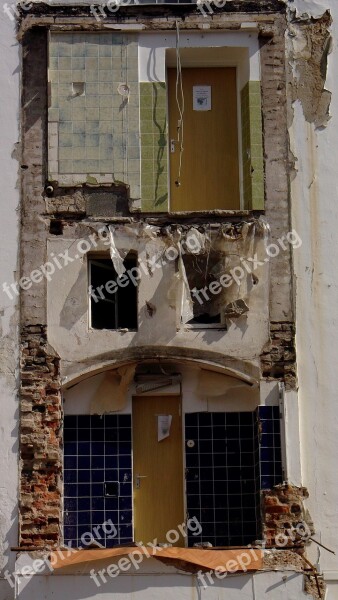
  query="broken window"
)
[
  {"x": 201, "y": 271},
  {"x": 113, "y": 298}
]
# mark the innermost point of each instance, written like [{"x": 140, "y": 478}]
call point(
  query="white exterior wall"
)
[
  {"x": 315, "y": 217},
  {"x": 9, "y": 200}
]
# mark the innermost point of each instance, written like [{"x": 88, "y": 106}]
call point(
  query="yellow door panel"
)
[
  {"x": 210, "y": 167},
  {"x": 158, "y": 493}
]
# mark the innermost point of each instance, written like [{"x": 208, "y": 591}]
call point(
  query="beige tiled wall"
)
[{"x": 93, "y": 129}]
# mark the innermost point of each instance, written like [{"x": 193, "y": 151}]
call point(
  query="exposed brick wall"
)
[
  {"x": 40, "y": 455},
  {"x": 283, "y": 510},
  {"x": 278, "y": 360},
  {"x": 276, "y": 143}
]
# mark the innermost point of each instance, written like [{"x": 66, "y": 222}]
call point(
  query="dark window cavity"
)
[
  {"x": 201, "y": 271},
  {"x": 113, "y": 299}
]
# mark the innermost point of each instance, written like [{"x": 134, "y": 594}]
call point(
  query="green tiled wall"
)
[
  {"x": 252, "y": 146},
  {"x": 94, "y": 131},
  {"x": 154, "y": 155}
]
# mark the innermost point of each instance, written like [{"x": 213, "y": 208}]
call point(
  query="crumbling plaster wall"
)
[
  {"x": 40, "y": 456},
  {"x": 314, "y": 216},
  {"x": 9, "y": 318},
  {"x": 68, "y": 301}
]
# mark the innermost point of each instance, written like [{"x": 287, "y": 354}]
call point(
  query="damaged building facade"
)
[{"x": 168, "y": 300}]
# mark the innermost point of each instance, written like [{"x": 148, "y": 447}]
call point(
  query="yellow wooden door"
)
[
  {"x": 157, "y": 470},
  {"x": 210, "y": 167}
]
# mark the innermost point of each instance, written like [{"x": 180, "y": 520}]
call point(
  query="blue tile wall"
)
[
  {"x": 270, "y": 447},
  {"x": 222, "y": 477},
  {"x": 97, "y": 450}
]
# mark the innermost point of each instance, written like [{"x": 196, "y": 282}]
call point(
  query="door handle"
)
[{"x": 138, "y": 480}]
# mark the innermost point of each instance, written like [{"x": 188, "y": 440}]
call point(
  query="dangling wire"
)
[{"x": 179, "y": 102}]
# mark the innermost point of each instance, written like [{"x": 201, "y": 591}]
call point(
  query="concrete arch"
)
[{"x": 246, "y": 371}]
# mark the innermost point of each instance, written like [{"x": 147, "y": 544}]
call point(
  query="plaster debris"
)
[
  {"x": 236, "y": 309},
  {"x": 111, "y": 395},
  {"x": 311, "y": 43},
  {"x": 115, "y": 255}
]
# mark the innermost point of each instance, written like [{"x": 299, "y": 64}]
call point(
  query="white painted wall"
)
[
  {"x": 315, "y": 217},
  {"x": 153, "y": 48},
  {"x": 9, "y": 199}
]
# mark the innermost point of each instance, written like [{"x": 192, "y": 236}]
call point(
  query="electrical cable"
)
[{"x": 180, "y": 103}]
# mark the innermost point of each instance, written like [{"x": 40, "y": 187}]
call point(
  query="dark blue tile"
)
[
  {"x": 111, "y": 475},
  {"x": 111, "y": 543},
  {"x": 84, "y": 435},
  {"x": 267, "y": 426},
  {"x": 125, "y": 489},
  {"x": 70, "y": 504},
  {"x": 70, "y": 421},
  {"x": 125, "y": 516},
  {"x": 265, "y": 412},
  {"x": 84, "y": 421},
  {"x": 126, "y": 531},
  {"x": 70, "y": 435},
  {"x": 124, "y": 435},
  {"x": 218, "y": 419},
  {"x": 83, "y": 489},
  {"x": 124, "y": 462},
  {"x": 98, "y": 517},
  {"x": 84, "y": 518},
  {"x": 70, "y": 490},
  {"x": 246, "y": 418},
  {"x": 70, "y": 533},
  {"x": 84, "y": 503},
  {"x": 70, "y": 448},
  {"x": 97, "y": 462},
  {"x": 98, "y": 476},
  {"x": 112, "y": 504},
  {"x": 70, "y": 476},
  {"x": 97, "y": 489},
  {"x": 124, "y": 447},
  {"x": 110, "y": 420},
  {"x": 111, "y": 449},
  {"x": 84, "y": 448},
  {"x": 70, "y": 518},
  {"x": 204, "y": 419},
  {"x": 191, "y": 419},
  {"x": 97, "y": 435},
  {"x": 97, "y": 503},
  {"x": 275, "y": 412},
  {"x": 125, "y": 503},
  {"x": 267, "y": 482},
  {"x": 83, "y": 476},
  {"x": 231, "y": 419},
  {"x": 97, "y": 422},
  {"x": 97, "y": 448},
  {"x": 70, "y": 462},
  {"x": 267, "y": 454},
  {"x": 124, "y": 421},
  {"x": 84, "y": 462}
]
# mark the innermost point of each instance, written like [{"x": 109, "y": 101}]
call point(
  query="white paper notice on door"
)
[
  {"x": 202, "y": 97},
  {"x": 163, "y": 426}
]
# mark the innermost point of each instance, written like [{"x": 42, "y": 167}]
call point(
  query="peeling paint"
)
[{"x": 311, "y": 44}]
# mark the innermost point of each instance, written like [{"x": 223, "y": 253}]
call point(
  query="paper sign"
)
[
  {"x": 202, "y": 97},
  {"x": 163, "y": 426}
]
